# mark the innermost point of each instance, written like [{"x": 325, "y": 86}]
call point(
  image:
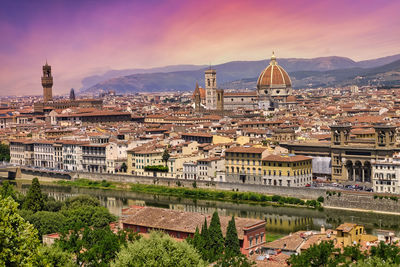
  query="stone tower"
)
[
  {"x": 72, "y": 94},
  {"x": 211, "y": 88},
  {"x": 197, "y": 99},
  {"x": 220, "y": 99},
  {"x": 47, "y": 83}
]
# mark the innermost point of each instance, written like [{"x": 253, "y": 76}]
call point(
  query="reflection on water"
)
[{"x": 278, "y": 219}]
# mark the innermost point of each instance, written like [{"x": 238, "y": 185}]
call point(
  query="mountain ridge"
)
[{"x": 304, "y": 73}]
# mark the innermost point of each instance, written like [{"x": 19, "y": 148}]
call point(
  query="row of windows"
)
[
  {"x": 382, "y": 175},
  {"x": 270, "y": 172},
  {"x": 258, "y": 239}
]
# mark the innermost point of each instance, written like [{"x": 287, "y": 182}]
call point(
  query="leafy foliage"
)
[
  {"x": 19, "y": 241},
  {"x": 158, "y": 250},
  {"x": 216, "y": 240},
  {"x": 232, "y": 245},
  {"x": 34, "y": 200},
  {"x": 47, "y": 222},
  {"x": 165, "y": 156},
  {"x": 91, "y": 246},
  {"x": 54, "y": 256},
  {"x": 386, "y": 252},
  {"x": 156, "y": 168},
  {"x": 4, "y": 152},
  {"x": 316, "y": 255},
  {"x": 374, "y": 262},
  {"x": 7, "y": 190}
]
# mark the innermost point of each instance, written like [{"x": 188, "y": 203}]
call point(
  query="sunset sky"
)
[{"x": 81, "y": 38}]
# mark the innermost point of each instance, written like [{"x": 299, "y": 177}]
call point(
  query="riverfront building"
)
[{"x": 182, "y": 224}]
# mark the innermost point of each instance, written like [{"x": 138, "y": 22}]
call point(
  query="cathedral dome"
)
[{"x": 273, "y": 76}]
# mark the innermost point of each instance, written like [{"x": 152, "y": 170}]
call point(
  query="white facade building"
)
[{"x": 386, "y": 175}]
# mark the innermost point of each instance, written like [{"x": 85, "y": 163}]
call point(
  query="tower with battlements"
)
[{"x": 47, "y": 83}]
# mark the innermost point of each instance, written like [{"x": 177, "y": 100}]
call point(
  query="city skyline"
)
[{"x": 82, "y": 39}]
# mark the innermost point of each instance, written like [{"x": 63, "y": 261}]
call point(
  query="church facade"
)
[{"x": 274, "y": 86}]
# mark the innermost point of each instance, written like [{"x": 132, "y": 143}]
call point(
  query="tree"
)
[
  {"x": 203, "y": 243},
  {"x": 34, "y": 200},
  {"x": 158, "y": 250},
  {"x": 232, "y": 245},
  {"x": 47, "y": 222},
  {"x": 87, "y": 216},
  {"x": 235, "y": 261},
  {"x": 316, "y": 255},
  {"x": 386, "y": 251},
  {"x": 216, "y": 239},
  {"x": 7, "y": 190},
  {"x": 54, "y": 256},
  {"x": 165, "y": 156},
  {"x": 81, "y": 200},
  {"x": 124, "y": 167},
  {"x": 19, "y": 241},
  {"x": 374, "y": 262},
  {"x": 100, "y": 246},
  {"x": 4, "y": 152},
  {"x": 353, "y": 253}
]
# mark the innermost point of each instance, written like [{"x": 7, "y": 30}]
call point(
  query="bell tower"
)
[
  {"x": 211, "y": 88},
  {"x": 47, "y": 83}
]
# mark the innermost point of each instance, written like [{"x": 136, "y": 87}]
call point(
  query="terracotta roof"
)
[
  {"x": 182, "y": 221},
  {"x": 242, "y": 149},
  {"x": 286, "y": 158}
]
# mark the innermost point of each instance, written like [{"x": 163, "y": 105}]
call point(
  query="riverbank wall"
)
[
  {"x": 362, "y": 201},
  {"x": 303, "y": 193}
]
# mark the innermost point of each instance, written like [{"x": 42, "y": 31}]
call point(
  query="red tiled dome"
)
[{"x": 273, "y": 76}]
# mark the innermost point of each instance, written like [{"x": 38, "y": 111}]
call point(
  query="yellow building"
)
[
  {"x": 290, "y": 170},
  {"x": 139, "y": 158},
  {"x": 243, "y": 164},
  {"x": 348, "y": 234}
]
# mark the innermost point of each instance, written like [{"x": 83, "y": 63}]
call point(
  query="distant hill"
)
[
  {"x": 316, "y": 72},
  {"x": 90, "y": 81},
  {"x": 385, "y": 75}
]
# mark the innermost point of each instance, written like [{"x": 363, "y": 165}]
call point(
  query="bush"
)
[
  {"x": 320, "y": 199},
  {"x": 276, "y": 198},
  {"x": 194, "y": 184},
  {"x": 156, "y": 168}
]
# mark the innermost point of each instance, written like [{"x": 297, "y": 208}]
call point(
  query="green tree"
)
[
  {"x": 100, "y": 246},
  {"x": 235, "y": 261},
  {"x": 316, "y": 256},
  {"x": 232, "y": 245},
  {"x": 386, "y": 251},
  {"x": 203, "y": 243},
  {"x": 88, "y": 216},
  {"x": 47, "y": 222},
  {"x": 196, "y": 241},
  {"x": 124, "y": 167},
  {"x": 158, "y": 250},
  {"x": 34, "y": 200},
  {"x": 7, "y": 190},
  {"x": 216, "y": 239},
  {"x": 165, "y": 156},
  {"x": 374, "y": 262},
  {"x": 54, "y": 256},
  {"x": 81, "y": 200},
  {"x": 353, "y": 253},
  {"x": 4, "y": 152},
  {"x": 18, "y": 238}
]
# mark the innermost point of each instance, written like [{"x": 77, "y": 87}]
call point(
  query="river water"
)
[{"x": 281, "y": 220}]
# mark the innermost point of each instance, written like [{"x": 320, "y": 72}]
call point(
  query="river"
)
[{"x": 281, "y": 220}]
